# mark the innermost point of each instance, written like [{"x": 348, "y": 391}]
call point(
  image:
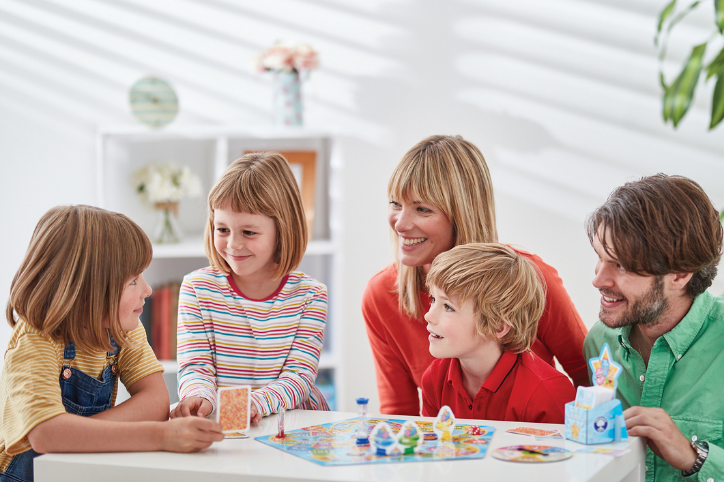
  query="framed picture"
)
[{"x": 304, "y": 165}]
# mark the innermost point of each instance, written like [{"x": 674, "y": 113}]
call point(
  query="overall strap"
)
[
  {"x": 115, "y": 347},
  {"x": 69, "y": 353}
]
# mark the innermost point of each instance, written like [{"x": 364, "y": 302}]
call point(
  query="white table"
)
[{"x": 249, "y": 460}]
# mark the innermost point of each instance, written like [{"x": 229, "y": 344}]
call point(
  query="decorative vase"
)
[
  {"x": 287, "y": 99},
  {"x": 167, "y": 230}
]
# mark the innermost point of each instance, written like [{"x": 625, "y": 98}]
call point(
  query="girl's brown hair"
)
[
  {"x": 451, "y": 174},
  {"x": 261, "y": 183},
  {"x": 506, "y": 289},
  {"x": 70, "y": 282}
]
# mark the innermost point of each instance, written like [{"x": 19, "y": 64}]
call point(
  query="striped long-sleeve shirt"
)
[{"x": 227, "y": 339}]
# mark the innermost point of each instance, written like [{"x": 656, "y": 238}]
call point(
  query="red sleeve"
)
[
  {"x": 547, "y": 402},
  {"x": 395, "y": 385},
  {"x": 430, "y": 394},
  {"x": 560, "y": 328}
]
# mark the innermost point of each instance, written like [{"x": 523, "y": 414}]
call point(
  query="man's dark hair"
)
[{"x": 659, "y": 225}]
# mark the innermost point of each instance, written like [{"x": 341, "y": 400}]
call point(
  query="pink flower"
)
[
  {"x": 305, "y": 57},
  {"x": 285, "y": 57}
]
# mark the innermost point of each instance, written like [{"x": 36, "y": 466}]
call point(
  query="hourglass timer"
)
[{"x": 362, "y": 427}]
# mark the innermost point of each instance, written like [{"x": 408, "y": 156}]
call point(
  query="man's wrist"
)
[{"x": 701, "y": 449}]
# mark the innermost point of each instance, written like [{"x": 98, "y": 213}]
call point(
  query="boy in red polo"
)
[{"x": 486, "y": 302}]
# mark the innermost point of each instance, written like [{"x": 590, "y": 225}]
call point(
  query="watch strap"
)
[{"x": 702, "y": 451}]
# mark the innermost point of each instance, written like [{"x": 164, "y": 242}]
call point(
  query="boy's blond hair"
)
[
  {"x": 261, "y": 183},
  {"x": 506, "y": 288},
  {"x": 451, "y": 174},
  {"x": 69, "y": 285}
]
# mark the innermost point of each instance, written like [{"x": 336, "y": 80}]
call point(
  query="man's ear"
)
[
  {"x": 503, "y": 329},
  {"x": 678, "y": 281}
]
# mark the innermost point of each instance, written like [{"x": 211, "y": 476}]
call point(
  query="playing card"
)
[{"x": 233, "y": 408}]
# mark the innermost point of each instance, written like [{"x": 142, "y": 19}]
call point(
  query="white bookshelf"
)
[{"x": 208, "y": 150}]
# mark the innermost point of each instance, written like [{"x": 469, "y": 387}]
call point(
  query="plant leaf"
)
[
  {"x": 716, "y": 67},
  {"x": 666, "y": 97},
  {"x": 677, "y": 98},
  {"x": 717, "y": 103},
  {"x": 678, "y": 18},
  {"x": 719, "y": 14},
  {"x": 665, "y": 13}
]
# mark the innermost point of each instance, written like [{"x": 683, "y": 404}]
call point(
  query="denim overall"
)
[{"x": 82, "y": 395}]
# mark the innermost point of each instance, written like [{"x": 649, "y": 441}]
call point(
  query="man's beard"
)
[{"x": 644, "y": 311}]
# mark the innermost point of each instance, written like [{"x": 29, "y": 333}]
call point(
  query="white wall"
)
[{"x": 560, "y": 95}]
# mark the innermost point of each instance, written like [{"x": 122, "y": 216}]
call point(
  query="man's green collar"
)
[{"x": 684, "y": 333}]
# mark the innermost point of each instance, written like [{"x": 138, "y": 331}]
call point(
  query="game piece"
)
[
  {"x": 536, "y": 432},
  {"x": 590, "y": 419},
  {"x": 382, "y": 439},
  {"x": 602, "y": 451},
  {"x": 475, "y": 430},
  {"x": 532, "y": 453},
  {"x": 335, "y": 443},
  {"x": 362, "y": 438},
  {"x": 605, "y": 370},
  {"x": 409, "y": 438},
  {"x": 554, "y": 436},
  {"x": 444, "y": 424},
  {"x": 280, "y": 423},
  {"x": 233, "y": 412}
]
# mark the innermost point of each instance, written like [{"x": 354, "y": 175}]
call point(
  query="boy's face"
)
[{"x": 452, "y": 328}]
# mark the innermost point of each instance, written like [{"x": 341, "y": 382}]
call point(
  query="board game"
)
[{"x": 336, "y": 443}]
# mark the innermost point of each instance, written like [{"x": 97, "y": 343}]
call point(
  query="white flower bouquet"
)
[
  {"x": 163, "y": 186},
  {"x": 166, "y": 183},
  {"x": 286, "y": 57}
]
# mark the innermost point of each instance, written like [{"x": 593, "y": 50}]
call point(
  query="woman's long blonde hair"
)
[
  {"x": 70, "y": 283},
  {"x": 451, "y": 174}
]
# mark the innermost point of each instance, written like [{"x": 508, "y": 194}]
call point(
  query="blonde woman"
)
[{"x": 441, "y": 196}]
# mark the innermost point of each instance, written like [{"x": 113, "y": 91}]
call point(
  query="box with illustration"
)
[{"x": 596, "y": 416}]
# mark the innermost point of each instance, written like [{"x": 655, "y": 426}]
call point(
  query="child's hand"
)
[
  {"x": 192, "y": 406},
  {"x": 190, "y": 434},
  {"x": 255, "y": 416}
]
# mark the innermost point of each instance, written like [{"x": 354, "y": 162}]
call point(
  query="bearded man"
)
[{"x": 659, "y": 242}]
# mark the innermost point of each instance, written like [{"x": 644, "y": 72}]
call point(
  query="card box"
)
[{"x": 597, "y": 425}]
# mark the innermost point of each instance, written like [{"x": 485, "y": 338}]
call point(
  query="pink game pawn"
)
[{"x": 280, "y": 433}]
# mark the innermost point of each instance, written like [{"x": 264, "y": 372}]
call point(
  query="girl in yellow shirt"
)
[{"x": 74, "y": 307}]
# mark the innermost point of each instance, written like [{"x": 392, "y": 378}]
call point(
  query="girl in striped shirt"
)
[{"x": 249, "y": 318}]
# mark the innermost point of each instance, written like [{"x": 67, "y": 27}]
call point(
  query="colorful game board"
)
[{"x": 336, "y": 443}]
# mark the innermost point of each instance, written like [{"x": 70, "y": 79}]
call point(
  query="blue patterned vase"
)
[{"x": 287, "y": 99}]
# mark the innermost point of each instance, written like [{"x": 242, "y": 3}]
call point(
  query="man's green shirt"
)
[{"x": 685, "y": 377}]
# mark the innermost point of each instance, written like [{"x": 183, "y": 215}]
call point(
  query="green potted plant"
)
[{"x": 678, "y": 94}]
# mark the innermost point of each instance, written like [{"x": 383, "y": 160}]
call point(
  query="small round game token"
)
[{"x": 534, "y": 454}]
